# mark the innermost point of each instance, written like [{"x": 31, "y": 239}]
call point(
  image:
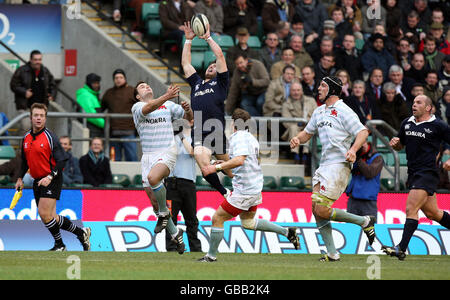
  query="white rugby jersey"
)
[
  {"x": 155, "y": 129},
  {"x": 337, "y": 125},
  {"x": 248, "y": 178}
]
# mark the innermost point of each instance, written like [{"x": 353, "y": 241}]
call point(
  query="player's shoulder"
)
[{"x": 136, "y": 105}]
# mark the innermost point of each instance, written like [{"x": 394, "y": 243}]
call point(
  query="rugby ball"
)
[{"x": 199, "y": 24}]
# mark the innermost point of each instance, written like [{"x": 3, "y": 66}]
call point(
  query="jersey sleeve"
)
[
  {"x": 352, "y": 123},
  {"x": 223, "y": 79},
  {"x": 311, "y": 127},
  {"x": 401, "y": 132},
  {"x": 136, "y": 110},
  {"x": 176, "y": 111},
  {"x": 193, "y": 79},
  {"x": 445, "y": 132}
]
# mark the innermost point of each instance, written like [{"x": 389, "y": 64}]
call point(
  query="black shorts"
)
[
  {"x": 53, "y": 190},
  {"x": 209, "y": 141},
  {"x": 427, "y": 180}
]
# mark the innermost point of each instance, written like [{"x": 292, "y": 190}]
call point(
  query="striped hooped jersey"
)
[
  {"x": 337, "y": 126},
  {"x": 248, "y": 178},
  {"x": 155, "y": 129}
]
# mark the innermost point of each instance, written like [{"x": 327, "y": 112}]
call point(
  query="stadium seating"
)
[
  {"x": 389, "y": 185},
  {"x": 253, "y": 42},
  {"x": 150, "y": 11},
  {"x": 292, "y": 183},
  {"x": 121, "y": 179},
  {"x": 81, "y": 185},
  {"x": 137, "y": 180},
  {"x": 202, "y": 184},
  {"x": 7, "y": 152},
  {"x": 224, "y": 41},
  {"x": 4, "y": 179},
  {"x": 227, "y": 182},
  {"x": 270, "y": 183}
]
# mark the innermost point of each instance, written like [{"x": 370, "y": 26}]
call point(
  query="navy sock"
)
[
  {"x": 408, "y": 231},
  {"x": 445, "y": 221},
  {"x": 214, "y": 181}
]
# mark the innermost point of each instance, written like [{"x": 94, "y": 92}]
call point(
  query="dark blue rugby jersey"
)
[
  {"x": 209, "y": 97},
  {"x": 422, "y": 141}
]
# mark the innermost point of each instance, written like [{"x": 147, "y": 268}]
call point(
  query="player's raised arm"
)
[
  {"x": 186, "y": 55},
  {"x": 221, "y": 64},
  {"x": 152, "y": 105}
]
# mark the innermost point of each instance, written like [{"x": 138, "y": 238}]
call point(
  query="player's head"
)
[
  {"x": 240, "y": 119},
  {"x": 211, "y": 71},
  {"x": 329, "y": 86},
  {"x": 422, "y": 106},
  {"x": 38, "y": 115},
  {"x": 143, "y": 91}
]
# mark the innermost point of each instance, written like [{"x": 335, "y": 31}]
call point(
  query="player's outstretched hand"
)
[
  {"x": 295, "y": 142},
  {"x": 207, "y": 33},
  {"x": 173, "y": 91},
  {"x": 188, "y": 32},
  {"x": 185, "y": 105},
  {"x": 350, "y": 156}
]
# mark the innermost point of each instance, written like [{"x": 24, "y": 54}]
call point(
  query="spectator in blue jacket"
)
[
  {"x": 71, "y": 172},
  {"x": 365, "y": 184},
  {"x": 3, "y": 121},
  {"x": 377, "y": 56}
]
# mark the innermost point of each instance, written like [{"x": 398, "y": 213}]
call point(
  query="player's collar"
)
[{"x": 413, "y": 119}]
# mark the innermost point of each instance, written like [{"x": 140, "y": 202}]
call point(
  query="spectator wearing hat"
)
[
  {"x": 297, "y": 27},
  {"x": 376, "y": 56},
  {"x": 275, "y": 11},
  {"x": 88, "y": 99},
  {"x": 118, "y": 100},
  {"x": 242, "y": 47},
  {"x": 239, "y": 13},
  {"x": 437, "y": 31}
]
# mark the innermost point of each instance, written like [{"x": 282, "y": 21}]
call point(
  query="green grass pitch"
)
[{"x": 17, "y": 265}]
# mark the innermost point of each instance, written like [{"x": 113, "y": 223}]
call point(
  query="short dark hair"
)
[
  {"x": 135, "y": 93},
  {"x": 34, "y": 52},
  {"x": 96, "y": 138},
  {"x": 66, "y": 137},
  {"x": 242, "y": 54},
  {"x": 288, "y": 67}
]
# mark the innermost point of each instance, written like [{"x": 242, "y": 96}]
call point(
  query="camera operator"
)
[{"x": 365, "y": 184}]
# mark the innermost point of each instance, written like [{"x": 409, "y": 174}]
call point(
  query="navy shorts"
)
[
  {"x": 210, "y": 141},
  {"x": 53, "y": 190},
  {"x": 427, "y": 180}
]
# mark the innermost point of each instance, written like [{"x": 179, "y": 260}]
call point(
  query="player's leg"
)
[
  {"x": 432, "y": 211},
  {"x": 248, "y": 221},
  {"x": 202, "y": 156},
  {"x": 188, "y": 206},
  {"x": 416, "y": 200},
  {"x": 47, "y": 212}
]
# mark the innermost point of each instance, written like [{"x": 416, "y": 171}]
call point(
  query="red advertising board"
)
[
  {"x": 118, "y": 205},
  {"x": 70, "y": 62}
]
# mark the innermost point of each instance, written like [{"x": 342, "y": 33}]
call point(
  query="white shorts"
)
[
  {"x": 244, "y": 202},
  {"x": 333, "y": 179},
  {"x": 167, "y": 157}
]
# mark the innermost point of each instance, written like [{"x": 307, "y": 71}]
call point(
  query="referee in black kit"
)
[
  {"x": 421, "y": 135},
  {"x": 43, "y": 155}
]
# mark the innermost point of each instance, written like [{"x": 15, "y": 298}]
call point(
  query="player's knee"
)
[
  {"x": 433, "y": 215},
  {"x": 321, "y": 206},
  {"x": 248, "y": 223}
]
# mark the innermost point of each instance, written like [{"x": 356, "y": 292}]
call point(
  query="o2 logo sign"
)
[{"x": 5, "y": 31}]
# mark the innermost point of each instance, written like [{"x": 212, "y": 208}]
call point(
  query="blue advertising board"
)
[
  {"x": 140, "y": 237},
  {"x": 69, "y": 206},
  {"x": 26, "y": 27}
]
